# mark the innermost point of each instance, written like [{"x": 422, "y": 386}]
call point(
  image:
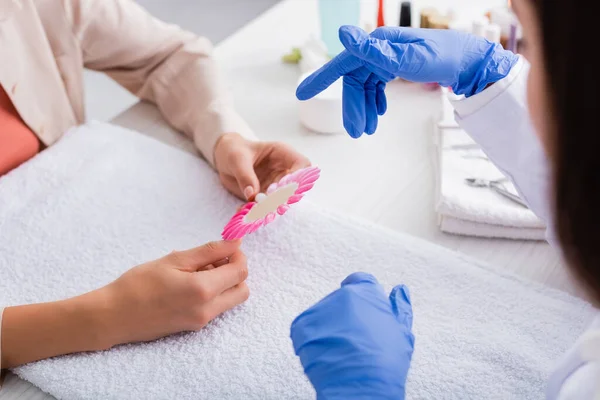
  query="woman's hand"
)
[
  {"x": 182, "y": 291},
  {"x": 247, "y": 168},
  {"x": 357, "y": 343}
]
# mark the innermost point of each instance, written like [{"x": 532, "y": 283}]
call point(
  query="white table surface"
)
[{"x": 387, "y": 178}]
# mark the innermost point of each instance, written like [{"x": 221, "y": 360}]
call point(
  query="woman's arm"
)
[
  {"x": 182, "y": 291},
  {"x": 498, "y": 119},
  {"x": 159, "y": 63},
  {"x": 1, "y": 315},
  {"x": 37, "y": 331}
]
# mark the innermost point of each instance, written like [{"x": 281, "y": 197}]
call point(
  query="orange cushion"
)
[{"x": 17, "y": 142}]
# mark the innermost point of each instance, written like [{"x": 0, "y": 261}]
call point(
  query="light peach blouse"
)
[{"x": 45, "y": 44}]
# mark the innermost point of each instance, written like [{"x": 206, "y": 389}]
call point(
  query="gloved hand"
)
[
  {"x": 357, "y": 343},
  {"x": 462, "y": 61}
]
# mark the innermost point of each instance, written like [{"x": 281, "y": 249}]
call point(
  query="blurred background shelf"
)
[{"x": 214, "y": 19}]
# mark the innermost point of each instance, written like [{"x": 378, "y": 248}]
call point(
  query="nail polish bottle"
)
[
  {"x": 380, "y": 18},
  {"x": 405, "y": 14}
]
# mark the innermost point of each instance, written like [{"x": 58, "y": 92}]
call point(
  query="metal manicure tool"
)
[{"x": 496, "y": 186}]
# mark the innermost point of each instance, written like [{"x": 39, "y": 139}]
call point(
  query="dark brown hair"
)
[{"x": 569, "y": 31}]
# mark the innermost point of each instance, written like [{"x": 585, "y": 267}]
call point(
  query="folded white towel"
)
[
  {"x": 105, "y": 199},
  {"x": 474, "y": 211},
  {"x": 468, "y": 228}
]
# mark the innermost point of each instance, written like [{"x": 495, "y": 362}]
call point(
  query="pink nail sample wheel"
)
[{"x": 267, "y": 206}]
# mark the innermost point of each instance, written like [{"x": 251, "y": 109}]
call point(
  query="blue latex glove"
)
[
  {"x": 357, "y": 343},
  {"x": 462, "y": 61}
]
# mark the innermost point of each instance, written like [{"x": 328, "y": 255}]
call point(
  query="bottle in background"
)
[
  {"x": 333, "y": 14},
  {"x": 405, "y": 14},
  {"x": 380, "y": 14},
  {"x": 509, "y": 25}
]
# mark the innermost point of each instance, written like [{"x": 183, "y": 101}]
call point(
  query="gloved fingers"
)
[
  {"x": 311, "y": 324},
  {"x": 399, "y": 34},
  {"x": 353, "y": 102},
  {"x": 394, "y": 34},
  {"x": 371, "y": 114},
  {"x": 346, "y": 30},
  {"x": 359, "y": 277},
  {"x": 381, "y": 100},
  {"x": 394, "y": 58},
  {"x": 321, "y": 79},
  {"x": 382, "y": 74},
  {"x": 400, "y": 299}
]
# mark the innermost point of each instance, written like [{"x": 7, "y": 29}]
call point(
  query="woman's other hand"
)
[{"x": 247, "y": 168}]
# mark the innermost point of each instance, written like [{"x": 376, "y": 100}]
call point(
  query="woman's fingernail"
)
[{"x": 248, "y": 192}]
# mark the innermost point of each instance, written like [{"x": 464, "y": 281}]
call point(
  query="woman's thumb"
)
[{"x": 243, "y": 171}]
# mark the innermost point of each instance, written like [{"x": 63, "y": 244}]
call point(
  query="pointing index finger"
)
[{"x": 321, "y": 79}]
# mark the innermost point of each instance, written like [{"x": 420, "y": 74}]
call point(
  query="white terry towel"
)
[
  {"x": 472, "y": 211},
  {"x": 105, "y": 199}
]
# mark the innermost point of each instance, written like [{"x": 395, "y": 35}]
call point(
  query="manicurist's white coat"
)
[{"x": 498, "y": 119}]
